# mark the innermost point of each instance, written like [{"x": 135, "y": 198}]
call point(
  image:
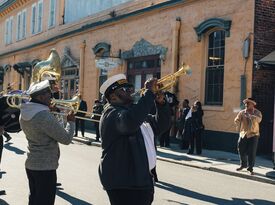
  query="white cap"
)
[
  {"x": 113, "y": 83},
  {"x": 37, "y": 87}
]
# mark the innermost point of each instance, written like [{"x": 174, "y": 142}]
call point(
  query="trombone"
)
[{"x": 16, "y": 100}]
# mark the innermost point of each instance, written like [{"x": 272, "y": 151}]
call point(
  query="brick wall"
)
[
  {"x": 264, "y": 80},
  {"x": 264, "y": 30}
]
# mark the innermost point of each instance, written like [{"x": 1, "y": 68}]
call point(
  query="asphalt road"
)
[{"x": 81, "y": 186}]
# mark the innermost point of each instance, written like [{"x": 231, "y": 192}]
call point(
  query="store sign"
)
[{"x": 108, "y": 63}]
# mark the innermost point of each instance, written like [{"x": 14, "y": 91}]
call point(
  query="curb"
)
[
  {"x": 222, "y": 171},
  {"x": 87, "y": 141},
  {"x": 92, "y": 142}
]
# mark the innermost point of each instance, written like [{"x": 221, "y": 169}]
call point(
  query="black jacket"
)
[
  {"x": 82, "y": 107},
  {"x": 124, "y": 162}
]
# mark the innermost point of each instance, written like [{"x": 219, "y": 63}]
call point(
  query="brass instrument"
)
[
  {"x": 49, "y": 67},
  {"x": 15, "y": 101},
  {"x": 168, "y": 81}
]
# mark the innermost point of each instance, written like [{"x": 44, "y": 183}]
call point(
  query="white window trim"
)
[
  {"x": 52, "y": 15},
  {"x": 39, "y": 15},
  {"x": 33, "y": 19}
]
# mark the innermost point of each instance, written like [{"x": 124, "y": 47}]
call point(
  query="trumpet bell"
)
[{"x": 72, "y": 104}]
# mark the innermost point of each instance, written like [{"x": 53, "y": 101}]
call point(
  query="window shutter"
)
[
  {"x": 18, "y": 30},
  {"x": 24, "y": 24},
  {"x": 39, "y": 16},
  {"x": 33, "y": 19}
]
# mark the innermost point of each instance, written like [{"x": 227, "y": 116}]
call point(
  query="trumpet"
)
[{"x": 168, "y": 81}]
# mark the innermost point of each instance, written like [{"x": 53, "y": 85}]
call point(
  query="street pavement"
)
[
  {"x": 212, "y": 160},
  {"x": 80, "y": 185}
]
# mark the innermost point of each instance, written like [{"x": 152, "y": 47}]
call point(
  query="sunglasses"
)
[{"x": 126, "y": 89}]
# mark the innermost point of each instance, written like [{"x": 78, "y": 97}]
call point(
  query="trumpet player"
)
[
  {"x": 127, "y": 131},
  {"x": 43, "y": 133}
]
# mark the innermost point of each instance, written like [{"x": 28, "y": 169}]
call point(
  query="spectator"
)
[
  {"x": 196, "y": 127},
  {"x": 181, "y": 122},
  {"x": 97, "y": 110},
  {"x": 82, "y": 107},
  {"x": 164, "y": 139},
  {"x": 247, "y": 122}
]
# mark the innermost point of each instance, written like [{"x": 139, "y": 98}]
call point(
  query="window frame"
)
[
  {"x": 33, "y": 19},
  {"x": 216, "y": 71},
  {"x": 18, "y": 26},
  {"x": 39, "y": 15},
  {"x": 52, "y": 14}
]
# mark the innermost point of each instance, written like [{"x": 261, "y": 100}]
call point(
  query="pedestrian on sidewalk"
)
[
  {"x": 181, "y": 123},
  {"x": 196, "y": 128},
  {"x": 81, "y": 122},
  {"x": 127, "y": 132},
  {"x": 248, "y": 124},
  {"x": 97, "y": 110},
  {"x": 43, "y": 132},
  {"x": 164, "y": 138}
]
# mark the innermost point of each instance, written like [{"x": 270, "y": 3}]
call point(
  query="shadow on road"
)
[
  {"x": 13, "y": 149},
  {"x": 71, "y": 199},
  {"x": 2, "y": 202},
  {"x": 210, "y": 199}
]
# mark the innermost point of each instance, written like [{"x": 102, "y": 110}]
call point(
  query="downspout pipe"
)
[{"x": 246, "y": 52}]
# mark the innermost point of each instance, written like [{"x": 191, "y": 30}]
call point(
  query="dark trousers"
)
[
  {"x": 247, "y": 148},
  {"x": 196, "y": 137},
  {"x": 82, "y": 126},
  {"x": 131, "y": 197},
  {"x": 164, "y": 139},
  {"x": 1, "y": 147},
  {"x": 97, "y": 130},
  {"x": 42, "y": 185}
]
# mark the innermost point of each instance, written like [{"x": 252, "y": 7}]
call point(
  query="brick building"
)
[{"x": 219, "y": 39}]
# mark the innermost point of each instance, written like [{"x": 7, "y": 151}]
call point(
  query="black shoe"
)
[
  {"x": 240, "y": 168},
  {"x": 8, "y": 138},
  {"x": 250, "y": 170},
  {"x": 190, "y": 152}
]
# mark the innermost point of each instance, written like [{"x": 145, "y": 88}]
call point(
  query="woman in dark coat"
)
[{"x": 196, "y": 128}]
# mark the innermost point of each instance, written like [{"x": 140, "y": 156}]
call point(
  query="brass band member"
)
[
  {"x": 43, "y": 133},
  {"x": 127, "y": 131}
]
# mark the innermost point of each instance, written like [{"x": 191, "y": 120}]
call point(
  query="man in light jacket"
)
[
  {"x": 43, "y": 133},
  {"x": 247, "y": 122}
]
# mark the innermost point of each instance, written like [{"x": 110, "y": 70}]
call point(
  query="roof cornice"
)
[{"x": 10, "y": 5}]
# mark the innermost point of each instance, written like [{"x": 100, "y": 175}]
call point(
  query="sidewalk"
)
[{"x": 212, "y": 160}]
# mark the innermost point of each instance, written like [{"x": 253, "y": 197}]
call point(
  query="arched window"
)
[{"x": 214, "y": 75}]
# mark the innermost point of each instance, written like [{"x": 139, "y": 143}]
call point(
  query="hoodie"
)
[{"x": 43, "y": 132}]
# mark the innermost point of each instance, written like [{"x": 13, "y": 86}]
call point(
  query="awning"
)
[
  {"x": 267, "y": 62},
  {"x": 23, "y": 67}
]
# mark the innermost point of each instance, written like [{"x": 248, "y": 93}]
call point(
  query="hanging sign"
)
[{"x": 108, "y": 63}]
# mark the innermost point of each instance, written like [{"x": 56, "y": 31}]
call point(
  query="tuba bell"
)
[{"x": 49, "y": 67}]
